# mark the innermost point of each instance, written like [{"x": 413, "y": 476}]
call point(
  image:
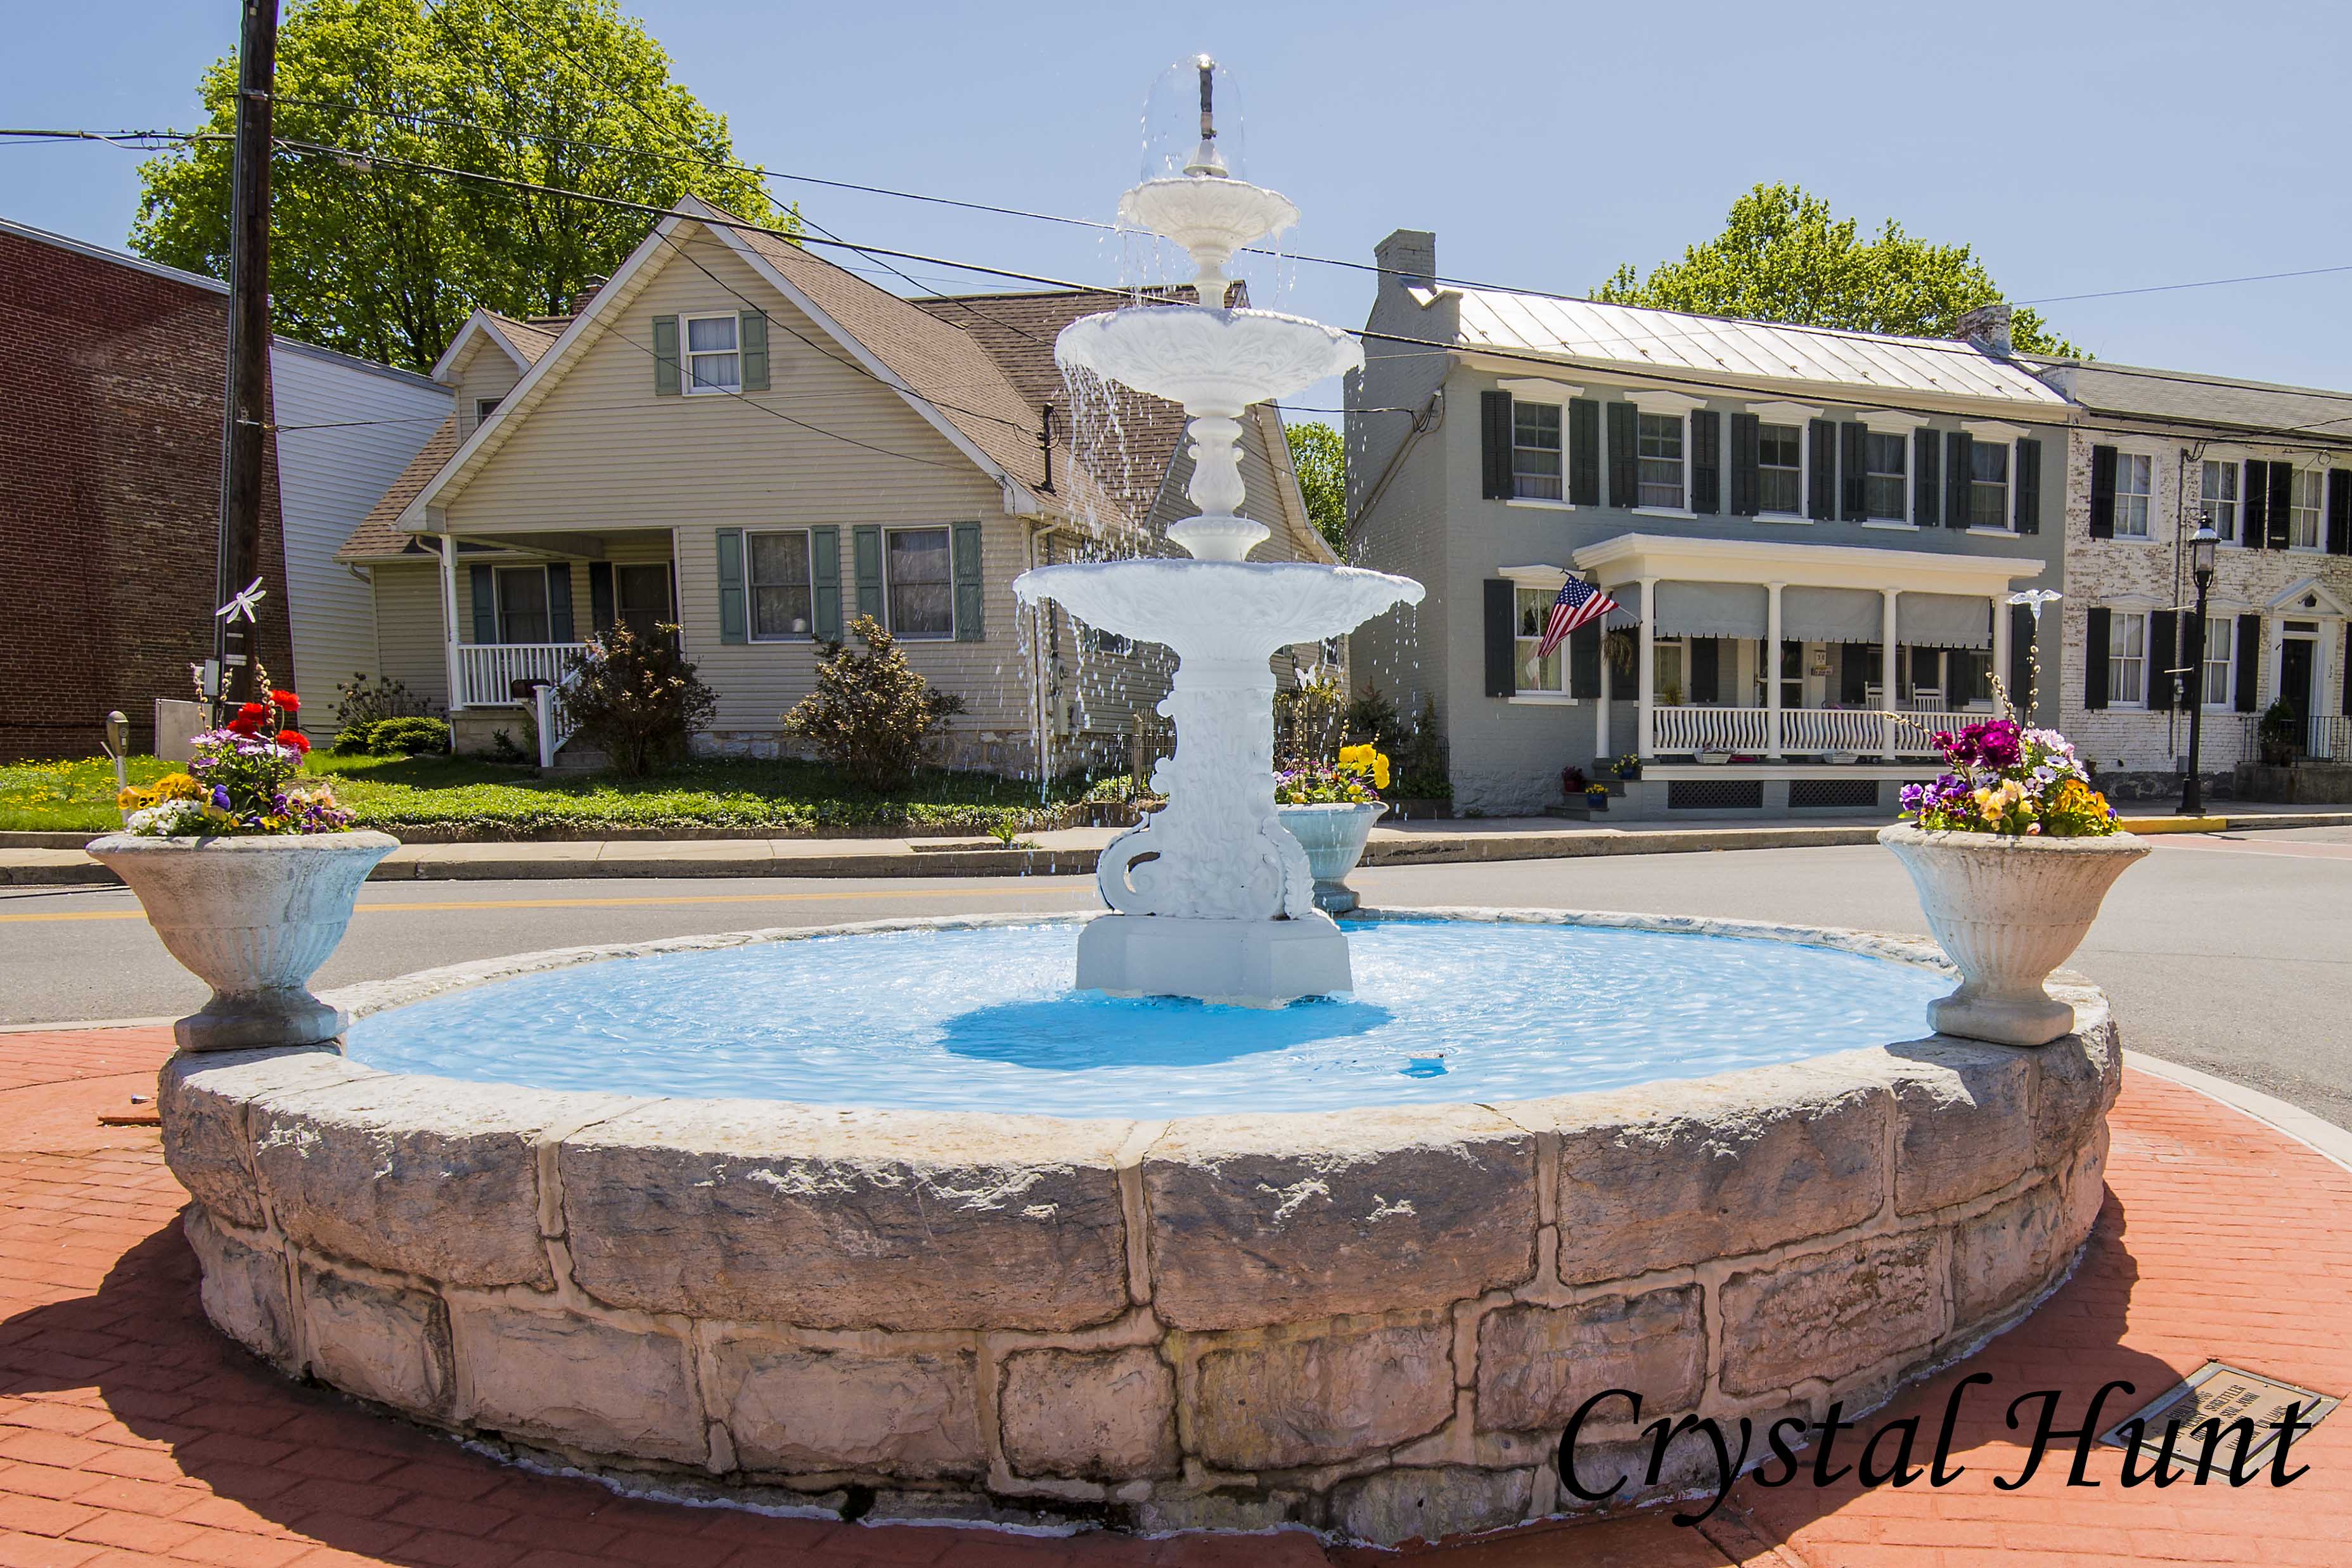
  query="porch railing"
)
[
  {"x": 487, "y": 672},
  {"x": 1803, "y": 731},
  {"x": 1856, "y": 730},
  {"x": 1696, "y": 729},
  {"x": 2328, "y": 737}
]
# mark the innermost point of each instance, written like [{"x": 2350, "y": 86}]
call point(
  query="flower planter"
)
[
  {"x": 1593, "y": 802},
  {"x": 2008, "y": 910},
  {"x": 253, "y": 918},
  {"x": 1333, "y": 835}
]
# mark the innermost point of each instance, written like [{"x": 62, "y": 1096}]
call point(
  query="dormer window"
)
[{"x": 713, "y": 360}]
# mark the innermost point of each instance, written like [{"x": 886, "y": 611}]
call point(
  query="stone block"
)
[
  {"x": 1268, "y": 1219},
  {"x": 2077, "y": 1078},
  {"x": 1392, "y": 1507},
  {"x": 2005, "y": 1254},
  {"x": 424, "y": 1175},
  {"x": 1831, "y": 1313},
  {"x": 381, "y": 1343},
  {"x": 1963, "y": 1121},
  {"x": 2086, "y": 1182},
  {"x": 244, "y": 1289},
  {"x": 769, "y": 1212},
  {"x": 202, "y": 1099},
  {"x": 1537, "y": 1364},
  {"x": 559, "y": 1377},
  {"x": 793, "y": 1410},
  {"x": 1676, "y": 1173},
  {"x": 1107, "y": 1416},
  {"x": 1285, "y": 1403}
]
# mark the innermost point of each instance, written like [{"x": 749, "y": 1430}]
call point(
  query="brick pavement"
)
[{"x": 131, "y": 1434}]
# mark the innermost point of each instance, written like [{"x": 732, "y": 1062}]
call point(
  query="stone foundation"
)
[{"x": 1374, "y": 1322}]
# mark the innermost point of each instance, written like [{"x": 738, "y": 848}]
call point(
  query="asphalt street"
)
[{"x": 2230, "y": 954}]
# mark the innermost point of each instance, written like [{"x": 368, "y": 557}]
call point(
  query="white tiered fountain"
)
[{"x": 1211, "y": 898}]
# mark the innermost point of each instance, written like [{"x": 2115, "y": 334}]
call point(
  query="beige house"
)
[{"x": 738, "y": 435}]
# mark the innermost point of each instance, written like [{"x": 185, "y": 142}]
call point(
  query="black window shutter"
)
[
  {"x": 1624, "y": 455},
  {"x": 1495, "y": 445},
  {"x": 1925, "y": 452},
  {"x": 1501, "y": 600},
  {"x": 1706, "y": 461},
  {"x": 1853, "y": 674},
  {"x": 2281, "y": 499},
  {"x": 2103, "y": 492},
  {"x": 2253, "y": 508},
  {"x": 486, "y": 600},
  {"x": 2095, "y": 656},
  {"x": 1820, "y": 504},
  {"x": 2348, "y": 670},
  {"x": 2019, "y": 673},
  {"x": 1959, "y": 509},
  {"x": 2249, "y": 653},
  {"x": 1850, "y": 470},
  {"x": 2340, "y": 514},
  {"x": 559, "y": 601},
  {"x": 2159, "y": 661},
  {"x": 1705, "y": 671},
  {"x": 1584, "y": 660},
  {"x": 2029, "y": 486},
  {"x": 1583, "y": 451},
  {"x": 600, "y": 611},
  {"x": 1746, "y": 447}
]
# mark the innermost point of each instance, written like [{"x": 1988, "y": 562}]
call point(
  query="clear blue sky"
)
[{"x": 2079, "y": 147}]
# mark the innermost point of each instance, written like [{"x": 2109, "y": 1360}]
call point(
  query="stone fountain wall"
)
[{"x": 1375, "y": 1323}]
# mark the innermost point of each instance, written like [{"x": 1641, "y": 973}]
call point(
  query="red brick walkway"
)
[{"x": 131, "y": 1433}]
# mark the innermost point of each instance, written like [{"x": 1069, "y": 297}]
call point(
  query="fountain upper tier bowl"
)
[
  {"x": 1218, "y": 608},
  {"x": 1215, "y": 363}
]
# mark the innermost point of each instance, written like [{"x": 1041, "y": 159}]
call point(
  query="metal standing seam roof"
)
[{"x": 1588, "y": 330}]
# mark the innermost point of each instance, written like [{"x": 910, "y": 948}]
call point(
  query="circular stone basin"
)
[
  {"x": 1374, "y": 1320},
  {"x": 983, "y": 1019}
]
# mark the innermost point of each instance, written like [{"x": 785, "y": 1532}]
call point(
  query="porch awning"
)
[
  {"x": 1710, "y": 610},
  {"x": 1943, "y": 620},
  {"x": 1832, "y": 614}
]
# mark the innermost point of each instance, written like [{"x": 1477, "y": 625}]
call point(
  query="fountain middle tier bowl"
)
[
  {"x": 1212, "y": 361},
  {"x": 1219, "y": 607}
]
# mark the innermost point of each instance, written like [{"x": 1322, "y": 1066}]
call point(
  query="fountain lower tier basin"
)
[
  {"x": 1374, "y": 1321},
  {"x": 1225, "y": 609}
]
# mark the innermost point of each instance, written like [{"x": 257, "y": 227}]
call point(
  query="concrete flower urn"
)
[
  {"x": 2008, "y": 910},
  {"x": 253, "y": 918},
  {"x": 1334, "y": 835}
]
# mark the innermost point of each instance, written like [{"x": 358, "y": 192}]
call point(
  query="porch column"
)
[
  {"x": 1601, "y": 706},
  {"x": 449, "y": 619},
  {"x": 2001, "y": 656},
  {"x": 1772, "y": 669},
  {"x": 1647, "y": 672},
  {"x": 1886, "y": 673}
]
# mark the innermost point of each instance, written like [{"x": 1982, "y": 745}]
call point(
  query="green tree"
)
[
  {"x": 387, "y": 263},
  {"x": 1783, "y": 256},
  {"x": 1321, "y": 460}
]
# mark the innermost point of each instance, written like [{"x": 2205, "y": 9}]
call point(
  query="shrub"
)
[
  {"x": 406, "y": 737},
  {"x": 362, "y": 700},
  {"x": 1372, "y": 719},
  {"x": 637, "y": 699},
  {"x": 871, "y": 714},
  {"x": 1418, "y": 753},
  {"x": 353, "y": 739}
]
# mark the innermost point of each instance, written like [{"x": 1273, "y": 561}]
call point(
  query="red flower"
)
[
  {"x": 253, "y": 710},
  {"x": 241, "y": 725},
  {"x": 294, "y": 741},
  {"x": 287, "y": 702}
]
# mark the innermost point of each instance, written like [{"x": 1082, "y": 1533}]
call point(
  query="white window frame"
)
[
  {"x": 484, "y": 407},
  {"x": 752, "y": 587},
  {"x": 2117, "y": 619},
  {"x": 1558, "y": 395},
  {"x": 889, "y": 609},
  {"x": 2008, "y": 487},
  {"x": 687, "y": 355},
  {"x": 1804, "y": 464},
  {"x": 1523, "y": 644},
  {"x": 2226, "y": 665},
  {"x": 1560, "y": 414},
  {"x": 1681, "y": 418},
  {"x": 2317, "y": 512},
  {"x": 1547, "y": 580},
  {"x": 546, "y": 605},
  {"x": 2207, "y": 501},
  {"x": 2146, "y": 529},
  {"x": 1903, "y": 445}
]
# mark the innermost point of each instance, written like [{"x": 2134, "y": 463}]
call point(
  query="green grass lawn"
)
[{"x": 460, "y": 796}]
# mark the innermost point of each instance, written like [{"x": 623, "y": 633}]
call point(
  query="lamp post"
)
[{"x": 2201, "y": 566}]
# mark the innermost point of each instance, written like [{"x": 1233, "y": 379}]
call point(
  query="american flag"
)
[{"x": 1579, "y": 603}]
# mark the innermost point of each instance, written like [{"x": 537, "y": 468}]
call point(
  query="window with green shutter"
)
[
  {"x": 968, "y": 597},
  {"x": 733, "y": 622},
  {"x": 665, "y": 375}
]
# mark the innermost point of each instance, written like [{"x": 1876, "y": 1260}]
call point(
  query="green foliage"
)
[
  {"x": 637, "y": 699},
  {"x": 1311, "y": 720},
  {"x": 361, "y": 700},
  {"x": 352, "y": 739},
  {"x": 1782, "y": 257},
  {"x": 387, "y": 263},
  {"x": 1320, "y": 458},
  {"x": 415, "y": 735},
  {"x": 871, "y": 714},
  {"x": 1418, "y": 755}
]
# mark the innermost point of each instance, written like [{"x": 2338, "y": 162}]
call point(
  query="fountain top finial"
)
[{"x": 1206, "y": 159}]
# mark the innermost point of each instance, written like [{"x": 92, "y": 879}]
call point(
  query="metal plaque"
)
[{"x": 2219, "y": 1392}]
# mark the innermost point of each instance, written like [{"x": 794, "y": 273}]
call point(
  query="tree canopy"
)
[
  {"x": 385, "y": 262},
  {"x": 1321, "y": 460},
  {"x": 1783, "y": 256}
]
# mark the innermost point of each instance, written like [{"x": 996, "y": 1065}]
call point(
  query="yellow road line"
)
[{"x": 591, "y": 903}]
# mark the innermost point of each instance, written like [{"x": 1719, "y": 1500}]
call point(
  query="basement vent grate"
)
[{"x": 1714, "y": 794}]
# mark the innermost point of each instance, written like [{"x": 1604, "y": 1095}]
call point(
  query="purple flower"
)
[{"x": 220, "y": 797}]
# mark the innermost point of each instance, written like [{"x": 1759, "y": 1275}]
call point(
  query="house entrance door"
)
[
  {"x": 643, "y": 593},
  {"x": 2295, "y": 678}
]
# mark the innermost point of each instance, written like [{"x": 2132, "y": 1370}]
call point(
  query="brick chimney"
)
[
  {"x": 587, "y": 292},
  {"x": 1987, "y": 327},
  {"x": 1409, "y": 258}
]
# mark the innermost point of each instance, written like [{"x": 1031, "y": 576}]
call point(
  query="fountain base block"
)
[{"x": 1240, "y": 964}]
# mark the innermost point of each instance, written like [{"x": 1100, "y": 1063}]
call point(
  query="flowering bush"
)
[
  {"x": 2001, "y": 777},
  {"x": 1358, "y": 776},
  {"x": 241, "y": 780}
]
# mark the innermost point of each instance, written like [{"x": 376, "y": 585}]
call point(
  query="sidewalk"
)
[
  {"x": 1073, "y": 851},
  {"x": 133, "y": 1434}
]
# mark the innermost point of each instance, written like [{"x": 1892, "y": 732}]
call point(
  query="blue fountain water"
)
[{"x": 983, "y": 1019}]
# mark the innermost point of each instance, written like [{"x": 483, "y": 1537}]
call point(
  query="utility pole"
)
[{"x": 249, "y": 348}]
